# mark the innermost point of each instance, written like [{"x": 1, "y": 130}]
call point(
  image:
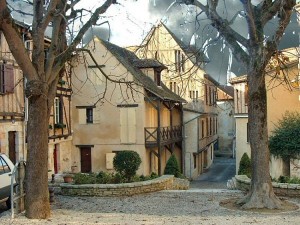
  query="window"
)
[
  {"x": 58, "y": 111},
  {"x": 202, "y": 130},
  {"x": 207, "y": 125},
  {"x": 179, "y": 61},
  {"x": 246, "y": 94},
  {"x": 7, "y": 80},
  {"x": 195, "y": 161},
  {"x": 194, "y": 95},
  {"x": 206, "y": 95},
  {"x": 210, "y": 126},
  {"x": 174, "y": 87},
  {"x": 157, "y": 78},
  {"x": 89, "y": 115},
  {"x": 209, "y": 96}
]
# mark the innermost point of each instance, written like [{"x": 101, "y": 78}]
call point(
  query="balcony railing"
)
[{"x": 167, "y": 135}]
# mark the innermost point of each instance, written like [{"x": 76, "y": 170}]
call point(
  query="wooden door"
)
[
  {"x": 86, "y": 159},
  {"x": 55, "y": 159},
  {"x": 12, "y": 146}
]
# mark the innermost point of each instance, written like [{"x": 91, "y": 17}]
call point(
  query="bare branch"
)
[
  {"x": 50, "y": 13},
  {"x": 233, "y": 39},
  {"x": 15, "y": 43},
  {"x": 92, "y": 21},
  {"x": 248, "y": 7}
]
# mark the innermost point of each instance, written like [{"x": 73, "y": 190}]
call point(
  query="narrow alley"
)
[{"x": 217, "y": 175}]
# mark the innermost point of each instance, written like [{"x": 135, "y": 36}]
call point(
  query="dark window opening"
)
[{"x": 89, "y": 115}]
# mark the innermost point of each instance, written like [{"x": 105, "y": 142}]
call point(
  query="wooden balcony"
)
[{"x": 167, "y": 135}]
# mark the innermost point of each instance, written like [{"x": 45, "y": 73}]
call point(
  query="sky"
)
[
  {"x": 131, "y": 20},
  {"x": 128, "y": 22}
]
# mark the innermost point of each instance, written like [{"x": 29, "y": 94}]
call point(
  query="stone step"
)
[{"x": 231, "y": 184}]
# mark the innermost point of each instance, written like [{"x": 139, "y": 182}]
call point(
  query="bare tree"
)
[
  {"x": 254, "y": 53},
  {"x": 42, "y": 76}
]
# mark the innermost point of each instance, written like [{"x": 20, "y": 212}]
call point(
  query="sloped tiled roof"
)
[
  {"x": 227, "y": 89},
  {"x": 149, "y": 63},
  {"x": 129, "y": 60}
]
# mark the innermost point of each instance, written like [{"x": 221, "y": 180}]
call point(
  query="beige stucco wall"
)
[
  {"x": 17, "y": 127},
  {"x": 190, "y": 145},
  {"x": 64, "y": 155},
  {"x": 242, "y": 145},
  {"x": 226, "y": 125}
]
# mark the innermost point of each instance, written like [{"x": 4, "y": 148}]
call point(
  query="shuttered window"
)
[
  {"x": 7, "y": 79},
  {"x": 58, "y": 111},
  {"x": 128, "y": 125}
]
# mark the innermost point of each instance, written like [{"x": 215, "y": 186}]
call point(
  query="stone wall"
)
[
  {"x": 281, "y": 189},
  {"x": 165, "y": 182}
]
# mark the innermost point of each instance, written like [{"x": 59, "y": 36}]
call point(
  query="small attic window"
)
[{"x": 157, "y": 77}]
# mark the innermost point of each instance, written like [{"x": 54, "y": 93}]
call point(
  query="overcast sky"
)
[{"x": 131, "y": 20}]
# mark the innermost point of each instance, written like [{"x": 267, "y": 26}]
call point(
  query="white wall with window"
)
[{"x": 88, "y": 115}]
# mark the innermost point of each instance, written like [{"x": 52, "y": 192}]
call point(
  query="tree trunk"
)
[
  {"x": 261, "y": 194},
  {"x": 37, "y": 195},
  {"x": 286, "y": 167}
]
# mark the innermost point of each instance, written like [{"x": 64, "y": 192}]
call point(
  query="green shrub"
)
[
  {"x": 153, "y": 175},
  {"x": 283, "y": 179},
  {"x": 287, "y": 179},
  {"x": 284, "y": 141},
  {"x": 85, "y": 178},
  {"x": 118, "y": 179},
  {"x": 104, "y": 178},
  {"x": 245, "y": 165},
  {"x": 172, "y": 167},
  {"x": 127, "y": 163}
]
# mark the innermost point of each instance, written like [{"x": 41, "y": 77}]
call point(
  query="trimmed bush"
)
[
  {"x": 245, "y": 166},
  {"x": 172, "y": 167},
  {"x": 85, "y": 178},
  {"x": 127, "y": 163}
]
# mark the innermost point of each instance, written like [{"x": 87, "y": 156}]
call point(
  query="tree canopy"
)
[{"x": 284, "y": 141}]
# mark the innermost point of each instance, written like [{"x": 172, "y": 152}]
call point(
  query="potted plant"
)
[{"x": 68, "y": 177}]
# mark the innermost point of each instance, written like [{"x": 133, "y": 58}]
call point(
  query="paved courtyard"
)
[{"x": 194, "y": 206}]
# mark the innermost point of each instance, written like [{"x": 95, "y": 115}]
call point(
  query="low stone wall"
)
[
  {"x": 281, "y": 189},
  {"x": 165, "y": 182}
]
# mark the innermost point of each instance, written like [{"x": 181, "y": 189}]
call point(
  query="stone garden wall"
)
[
  {"x": 281, "y": 189},
  {"x": 165, "y": 182}
]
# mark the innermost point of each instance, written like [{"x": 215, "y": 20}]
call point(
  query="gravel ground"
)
[{"x": 167, "y": 207}]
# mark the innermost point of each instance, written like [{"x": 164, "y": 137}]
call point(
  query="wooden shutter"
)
[
  {"x": 123, "y": 125},
  {"x": 131, "y": 114},
  {"x": 82, "y": 116},
  {"x": 9, "y": 79},
  {"x": 2, "y": 78},
  {"x": 96, "y": 115},
  {"x": 128, "y": 125}
]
